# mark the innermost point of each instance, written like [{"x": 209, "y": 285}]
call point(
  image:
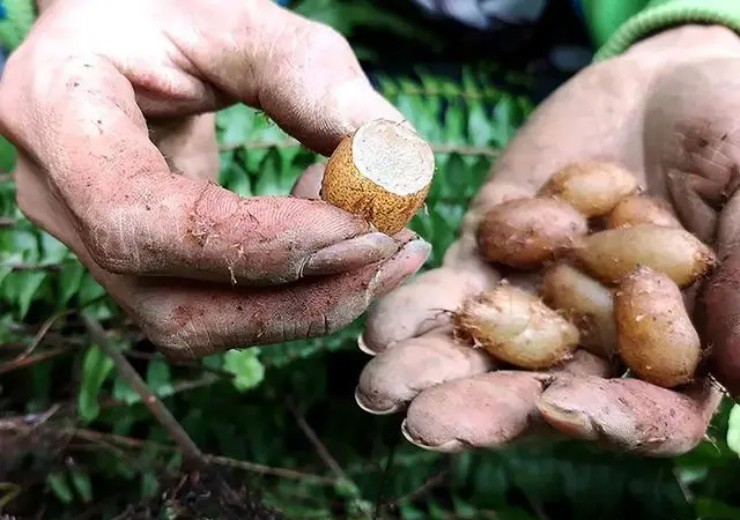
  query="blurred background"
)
[{"x": 76, "y": 441}]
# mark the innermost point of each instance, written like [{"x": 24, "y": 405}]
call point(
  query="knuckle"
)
[
  {"x": 321, "y": 39},
  {"x": 172, "y": 326},
  {"x": 110, "y": 239}
]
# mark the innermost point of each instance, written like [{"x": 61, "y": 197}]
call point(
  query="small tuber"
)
[
  {"x": 525, "y": 233},
  {"x": 515, "y": 326},
  {"x": 614, "y": 253},
  {"x": 656, "y": 338},
  {"x": 593, "y": 188},
  {"x": 638, "y": 209},
  {"x": 586, "y": 303},
  {"x": 382, "y": 172}
]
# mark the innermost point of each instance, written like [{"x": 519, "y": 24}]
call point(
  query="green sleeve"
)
[
  {"x": 617, "y": 24},
  {"x": 604, "y": 17},
  {"x": 20, "y": 16}
]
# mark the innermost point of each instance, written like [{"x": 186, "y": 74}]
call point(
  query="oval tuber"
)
[
  {"x": 382, "y": 172},
  {"x": 593, "y": 188},
  {"x": 525, "y": 233},
  {"x": 586, "y": 303},
  {"x": 515, "y": 326},
  {"x": 611, "y": 254},
  {"x": 656, "y": 338},
  {"x": 637, "y": 209}
]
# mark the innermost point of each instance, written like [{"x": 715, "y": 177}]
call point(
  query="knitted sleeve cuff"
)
[
  {"x": 662, "y": 14},
  {"x": 19, "y": 17}
]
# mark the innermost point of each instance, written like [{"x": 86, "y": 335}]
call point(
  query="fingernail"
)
[
  {"x": 570, "y": 422},
  {"x": 350, "y": 254},
  {"x": 362, "y": 345},
  {"x": 362, "y": 403},
  {"x": 452, "y": 446},
  {"x": 404, "y": 264},
  {"x": 405, "y": 235}
]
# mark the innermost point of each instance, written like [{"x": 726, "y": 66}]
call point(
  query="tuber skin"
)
[
  {"x": 526, "y": 233},
  {"x": 585, "y": 302},
  {"x": 382, "y": 172},
  {"x": 656, "y": 338},
  {"x": 485, "y": 410},
  {"x": 638, "y": 209},
  {"x": 516, "y": 327},
  {"x": 612, "y": 254},
  {"x": 593, "y": 188}
]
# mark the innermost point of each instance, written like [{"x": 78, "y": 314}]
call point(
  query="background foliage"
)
[{"x": 72, "y": 432}]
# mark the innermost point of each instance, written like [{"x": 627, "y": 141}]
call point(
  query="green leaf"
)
[
  {"x": 346, "y": 488},
  {"x": 70, "y": 280},
  {"x": 95, "y": 369},
  {"x": 59, "y": 485},
  {"x": 30, "y": 283},
  {"x": 90, "y": 289},
  {"x": 122, "y": 391},
  {"x": 82, "y": 484},
  {"x": 53, "y": 251},
  {"x": 710, "y": 508},
  {"x": 7, "y": 155},
  {"x": 149, "y": 484},
  {"x": 7, "y": 261},
  {"x": 158, "y": 378},
  {"x": 246, "y": 367},
  {"x": 733, "y": 429},
  {"x": 236, "y": 123},
  {"x": 269, "y": 181}
]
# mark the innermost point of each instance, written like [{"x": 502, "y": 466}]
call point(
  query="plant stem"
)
[
  {"x": 192, "y": 454},
  {"x": 319, "y": 446}
]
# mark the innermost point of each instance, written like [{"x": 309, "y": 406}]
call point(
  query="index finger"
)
[{"x": 79, "y": 120}]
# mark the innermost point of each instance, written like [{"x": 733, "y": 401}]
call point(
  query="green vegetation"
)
[{"x": 83, "y": 451}]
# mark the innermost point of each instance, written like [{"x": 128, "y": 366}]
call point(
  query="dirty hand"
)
[
  {"x": 666, "y": 110},
  {"x": 111, "y": 107}
]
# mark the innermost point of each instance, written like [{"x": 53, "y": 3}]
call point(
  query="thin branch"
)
[
  {"x": 269, "y": 470},
  {"x": 150, "y": 356},
  {"x": 54, "y": 268},
  {"x": 21, "y": 424},
  {"x": 252, "y": 467},
  {"x": 41, "y": 334},
  {"x": 7, "y": 222},
  {"x": 34, "y": 359},
  {"x": 260, "y": 145},
  {"x": 5, "y": 177},
  {"x": 177, "y": 388},
  {"x": 319, "y": 446},
  {"x": 478, "y": 151},
  {"x": 428, "y": 485},
  {"x": 190, "y": 451}
]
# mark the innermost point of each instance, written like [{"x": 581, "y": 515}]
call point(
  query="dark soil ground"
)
[{"x": 204, "y": 496}]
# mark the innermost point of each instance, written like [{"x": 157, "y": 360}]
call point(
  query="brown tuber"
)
[
  {"x": 382, "y": 172},
  {"x": 656, "y": 338},
  {"x": 593, "y": 188},
  {"x": 586, "y": 303},
  {"x": 638, "y": 209},
  {"x": 525, "y": 233},
  {"x": 612, "y": 254},
  {"x": 515, "y": 326}
]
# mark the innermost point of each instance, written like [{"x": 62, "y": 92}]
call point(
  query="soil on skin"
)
[{"x": 204, "y": 496}]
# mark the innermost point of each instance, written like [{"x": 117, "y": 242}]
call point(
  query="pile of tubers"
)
[{"x": 613, "y": 262}]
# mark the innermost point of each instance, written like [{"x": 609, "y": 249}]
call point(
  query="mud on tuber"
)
[{"x": 614, "y": 263}]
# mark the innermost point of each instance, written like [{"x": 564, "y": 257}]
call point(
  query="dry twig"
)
[
  {"x": 476, "y": 151},
  {"x": 319, "y": 446},
  {"x": 190, "y": 451}
]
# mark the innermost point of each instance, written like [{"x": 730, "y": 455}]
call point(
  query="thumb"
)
[
  {"x": 303, "y": 74},
  {"x": 718, "y": 309}
]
